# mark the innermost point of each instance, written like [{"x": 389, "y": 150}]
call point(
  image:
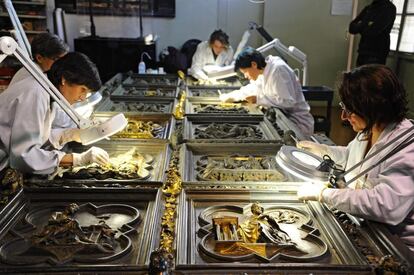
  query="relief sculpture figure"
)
[
  {"x": 262, "y": 228},
  {"x": 228, "y": 131}
]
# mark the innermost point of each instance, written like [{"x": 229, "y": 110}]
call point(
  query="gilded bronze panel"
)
[
  {"x": 217, "y": 129},
  {"x": 133, "y": 163},
  {"x": 266, "y": 230},
  {"x": 138, "y": 92},
  {"x": 207, "y": 107},
  {"x": 134, "y": 106},
  {"x": 233, "y": 233},
  {"x": 207, "y": 93},
  {"x": 139, "y": 80},
  {"x": 150, "y": 128},
  {"x": 77, "y": 230},
  {"x": 230, "y": 165},
  {"x": 229, "y": 83}
]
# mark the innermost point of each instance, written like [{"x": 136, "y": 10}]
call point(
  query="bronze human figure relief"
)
[
  {"x": 124, "y": 106},
  {"x": 128, "y": 165},
  {"x": 74, "y": 233},
  {"x": 238, "y": 168},
  {"x": 232, "y": 234},
  {"x": 227, "y": 131},
  {"x": 223, "y": 108},
  {"x": 141, "y": 130}
]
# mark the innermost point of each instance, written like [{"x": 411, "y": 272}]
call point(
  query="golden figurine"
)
[
  {"x": 140, "y": 130},
  {"x": 179, "y": 109},
  {"x": 259, "y": 233}
]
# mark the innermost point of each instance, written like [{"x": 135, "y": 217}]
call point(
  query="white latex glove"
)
[
  {"x": 311, "y": 191},
  {"x": 70, "y": 135},
  {"x": 93, "y": 155},
  {"x": 226, "y": 98},
  {"x": 315, "y": 148}
]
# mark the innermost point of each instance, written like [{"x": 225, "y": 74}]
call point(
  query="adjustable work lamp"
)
[
  {"x": 91, "y": 133},
  {"x": 310, "y": 167},
  {"x": 216, "y": 72},
  {"x": 84, "y": 108},
  {"x": 18, "y": 32}
]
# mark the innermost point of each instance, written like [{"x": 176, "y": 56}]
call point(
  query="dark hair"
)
[
  {"x": 48, "y": 45},
  {"x": 76, "y": 68},
  {"x": 247, "y": 56},
  {"x": 374, "y": 93},
  {"x": 220, "y": 36}
]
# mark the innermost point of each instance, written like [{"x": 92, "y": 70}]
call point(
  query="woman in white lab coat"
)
[
  {"x": 46, "y": 48},
  {"x": 374, "y": 102},
  {"x": 272, "y": 84},
  {"x": 26, "y": 115},
  {"x": 215, "y": 51}
]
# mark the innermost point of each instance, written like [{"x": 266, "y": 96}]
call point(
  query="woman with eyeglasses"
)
[{"x": 374, "y": 102}]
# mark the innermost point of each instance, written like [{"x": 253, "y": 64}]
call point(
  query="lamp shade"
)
[{"x": 301, "y": 164}]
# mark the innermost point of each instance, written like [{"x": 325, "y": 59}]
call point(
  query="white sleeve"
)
[
  {"x": 280, "y": 91},
  {"x": 241, "y": 94},
  {"x": 198, "y": 63},
  {"x": 229, "y": 57},
  {"x": 61, "y": 123},
  {"x": 26, "y": 153},
  {"x": 339, "y": 154},
  {"x": 389, "y": 201}
]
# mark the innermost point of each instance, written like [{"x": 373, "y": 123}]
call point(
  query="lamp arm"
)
[
  {"x": 292, "y": 51},
  {"x": 8, "y": 46},
  {"x": 18, "y": 29},
  {"x": 407, "y": 141}
]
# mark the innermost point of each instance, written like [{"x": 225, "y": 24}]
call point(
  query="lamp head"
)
[{"x": 108, "y": 128}]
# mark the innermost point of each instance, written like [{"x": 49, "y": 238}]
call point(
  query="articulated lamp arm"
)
[
  {"x": 19, "y": 33},
  {"x": 91, "y": 133},
  {"x": 291, "y": 51},
  {"x": 8, "y": 46},
  {"x": 295, "y": 53}
]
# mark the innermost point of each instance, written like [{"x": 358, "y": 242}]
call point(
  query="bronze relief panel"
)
[
  {"x": 238, "y": 168},
  {"x": 135, "y": 106},
  {"x": 266, "y": 229},
  {"x": 131, "y": 163},
  {"x": 233, "y": 234},
  {"x": 151, "y": 80},
  {"x": 144, "y": 92},
  {"x": 74, "y": 230}
]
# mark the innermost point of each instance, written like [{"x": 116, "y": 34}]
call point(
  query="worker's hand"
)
[
  {"x": 251, "y": 99},
  {"x": 226, "y": 98},
  {"x": 70, "y": 135},
  {"x": 315, "y": 148},
  {"x": 93, "y": 155},
  {"x": 311, "y": 191}
]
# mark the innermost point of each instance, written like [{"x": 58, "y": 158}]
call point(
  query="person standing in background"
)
[{"x": 374, "y": 24}]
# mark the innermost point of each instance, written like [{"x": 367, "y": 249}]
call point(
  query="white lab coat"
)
[
  {"x": 26, "y": 116},
  {"x": 20, "y": 75},
  {"x": 386, "y": 193},
  {"x": 279, "y": 87},
  {"x": 204, "y": 56},
  {"x": 61, "y": 121}
]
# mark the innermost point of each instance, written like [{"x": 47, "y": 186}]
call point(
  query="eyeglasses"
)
[{"x": 344, "y": 109}]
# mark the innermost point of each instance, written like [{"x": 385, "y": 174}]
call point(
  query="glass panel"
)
[
  {"x": 407, "y": 40},
  {"x": 399, "y": 4},
  {"x": 410, "y": 8},
  {"x": 394, "y": 33}
]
